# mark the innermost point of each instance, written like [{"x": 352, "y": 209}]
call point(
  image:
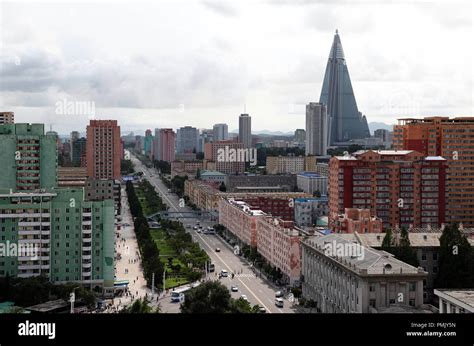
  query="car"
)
[
  {"x": 244, "y": 297},
  {"x": 262, "y": 310},
  {"x": 199, "y": 231},
  {"x": 234, "y": 288},
  {"x": 279, "y": 294},
  {"x": 188, "y": 226},
  {"x": 218, "y": 249},
  {"x": 279, "y": 302},
  {"x": 224, "y": 273},
  {"x": 195, "y": 227}
]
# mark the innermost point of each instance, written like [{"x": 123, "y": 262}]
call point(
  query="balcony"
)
[
  {"x": 86, "y": 257},
  {"x": 87, "y": 248}
]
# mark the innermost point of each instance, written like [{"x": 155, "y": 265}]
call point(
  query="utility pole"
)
[
  {"x": 164, "y": 281},
  {"x": 152, "y": 286}
]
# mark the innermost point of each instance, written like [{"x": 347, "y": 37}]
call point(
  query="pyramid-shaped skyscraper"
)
[{"x": 345, "y": 120}]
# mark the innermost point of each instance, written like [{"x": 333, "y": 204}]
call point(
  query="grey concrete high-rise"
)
[
  {"x": 345, "y": 120},
  {"x": 245, "y": 130},
  {"x": 187, "y": 139},
  {"x": 220, "y": 132},
  {"x": 316, "y": 129}
]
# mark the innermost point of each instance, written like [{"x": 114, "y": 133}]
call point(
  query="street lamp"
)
[{"x": 72, "y": 299}]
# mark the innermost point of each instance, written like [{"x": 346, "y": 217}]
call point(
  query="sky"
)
[{"x": 156, "y": 64}]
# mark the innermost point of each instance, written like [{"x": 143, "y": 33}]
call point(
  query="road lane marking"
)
[{"x": 199, "y": 236}]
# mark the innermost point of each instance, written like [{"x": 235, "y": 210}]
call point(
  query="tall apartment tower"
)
[
  {"x": 345, "y": 120},
  {"x": 103, "y": 149},
  {"x": 59, "y": 233},
  {"x": 27, "y": 151},
  {"x": 316, "y": 129},
  {"x": 245, "y": 130},
  {"x": 7, "y": 118},
  {"x": 452, "y": 139},
  {"x": 402, "y": 187},
  {"x": 220, "y": 132},
  {"x": 187, "y": 140},
  {"x": 164, "y": 145},
  {"x": 300, "y": 136},
  {"x": 225, "y": 163}
]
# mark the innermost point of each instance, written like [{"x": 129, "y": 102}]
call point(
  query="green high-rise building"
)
[{"x": 64, "y": 236}]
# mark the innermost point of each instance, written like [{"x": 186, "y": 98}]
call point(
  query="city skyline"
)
[{"x": 232, "y": 63}]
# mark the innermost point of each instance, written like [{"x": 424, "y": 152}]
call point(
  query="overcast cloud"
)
[{"x": 174, "y": 63}]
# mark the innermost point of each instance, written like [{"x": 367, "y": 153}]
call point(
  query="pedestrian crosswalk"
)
[{"x": 245, "y": 275}]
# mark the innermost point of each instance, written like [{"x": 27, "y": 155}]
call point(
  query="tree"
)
[
  {"x": 456, "y": 260},
  {"x": 387, "y": 242},
  {"x": 139, "y": 306},
  {"x": 404, "y": 252},
  {"x": 198, "y": 174},
  {"x": 222, "y": 187},
  {"x": 209, "y": 297}
]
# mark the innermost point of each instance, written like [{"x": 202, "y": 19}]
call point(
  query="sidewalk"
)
[{"x": 129, "y": 267}]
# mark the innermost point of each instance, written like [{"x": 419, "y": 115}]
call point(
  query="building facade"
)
[
  {"x": 262, "y": 183},
  {"x": 245, "y": 130},
  {"x": 343, "y": 277},
  {"x": 307, "y": 211},
  {"x": 358, "y": 220},
  {"x": 290, "y": 164},
  {"x": 27, "y": 151},
  {"x": 229, "y": 156},
  {"x": 404, "y": 188},
  {"x": 311, "y": 182},
  {"x": 187, "y": 139},
  {"x": 220, "y": 132},
  {"x": 453, "y": 139},
  {"x": 70, "y": 239},
  {"x": 345, "y": 122},
  {"x": 7, "y": 118},
  {"x": 103, "y": 149},
  {"x": 316, "y": 129}
]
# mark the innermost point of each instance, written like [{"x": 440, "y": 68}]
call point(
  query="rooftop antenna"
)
[{"x": 337, "y": 32}]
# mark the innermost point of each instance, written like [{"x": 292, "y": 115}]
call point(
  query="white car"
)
[
  {"x": 234, "y": 288},
  {"x": 244, "y": 297}
]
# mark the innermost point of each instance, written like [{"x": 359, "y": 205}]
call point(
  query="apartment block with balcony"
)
[
  {"x": 453, "y": 139},
  {"x": 404, "y": 188},
  {"x": 73, "y": 238}
]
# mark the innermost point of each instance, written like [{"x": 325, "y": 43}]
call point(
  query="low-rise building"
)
[
  {"x": 260, "y": 183},
  {"x": 343, "y": 277},
  {"x": 424, "y": 241},
  {"x": 212, "y": 176},
  {"x": 311, "y": 182},
  {"x": 357, "y": 220},
  {"x": 455, "y": 301},
  {"x": 308, "y": 210},
  {"x": 290, "y": 164},
  {"x": 278, "y": 241},
  {"x": 240, "y": 219}
]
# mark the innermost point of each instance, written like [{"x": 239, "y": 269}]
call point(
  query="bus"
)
[{"x": 177, "y": 296}]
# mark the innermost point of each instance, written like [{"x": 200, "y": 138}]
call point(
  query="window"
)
[
  {"x": 423, "y": 257},
  {"x": 372, "y": 303},
  {"x": 412, "y": 286},
  {"x": 391, "y": 301},
  {"x": 412, "y": 302},
  {"x": 372, "y": 288}
]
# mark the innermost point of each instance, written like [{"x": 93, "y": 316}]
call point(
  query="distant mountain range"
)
[
  {"x": 372, "y": 127},
  {"x": 375, "y": 126}
]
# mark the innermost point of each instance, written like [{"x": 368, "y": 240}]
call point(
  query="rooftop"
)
[
  {"x": 461, "y": 297},
  {"x": 369, "y": 262}
]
